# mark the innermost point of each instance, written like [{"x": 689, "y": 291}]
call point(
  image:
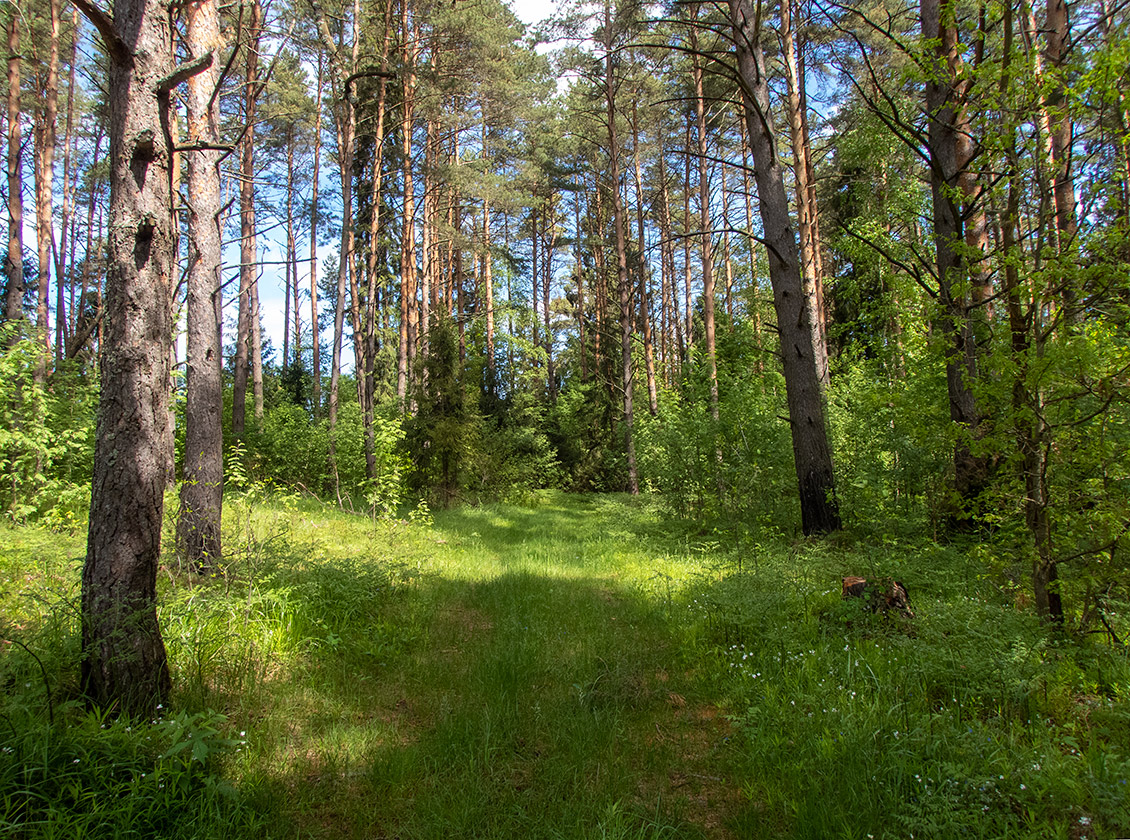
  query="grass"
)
[{"x": 573, "y": 667}]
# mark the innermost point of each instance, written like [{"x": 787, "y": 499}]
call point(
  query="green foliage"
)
[
  {"x": 586, "y": 437},
  {"x": 736, "y": 469},
  {"x": 46, "y": 437},
  {"x": 290, "y": 449},
  {"x": 892, "y": 444}
]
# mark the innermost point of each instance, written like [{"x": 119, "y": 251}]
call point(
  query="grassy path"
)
[
  {"x": 522, "y": 679},
  {"x": 563, "y": 670}
]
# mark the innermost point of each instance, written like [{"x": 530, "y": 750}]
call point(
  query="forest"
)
[{"x": 418, "y": 421}]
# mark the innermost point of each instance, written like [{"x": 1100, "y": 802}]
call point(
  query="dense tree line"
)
[{"x": 665, "y": 273}]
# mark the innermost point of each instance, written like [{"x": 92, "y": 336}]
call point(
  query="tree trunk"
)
[
  {"x": 46, "y": 112},
  {"x": 688, "y": 294},
  {"x": 707, "y": 227},
  {"x": 408, "y": 236},
  {"x": 623, "y": 282},
  {"x": 546, "y": 294},
  {"x": 65, "y": 248},
  {"x": 124, "y": 665},
  {"x": 247, "y": 248},
  {"x": 944, "y": 107},
  {"x": 754, "y": 284},
  {"x": 316, "y": 358},
  {"x": 201, "y": 493},
  {"x": 14, "y": 260},
  {"x": 289, "y": 283},
  {"x": 1028, "y": 332},
  {"x": 671, "y": 295},
  {"x": 1058, "y": 27},
  {"x": 805, "y": 197},
  {"x": 811, "y": 452},
  {"x": 645, "y": 296},
  {"x": 345, "y": 128}
]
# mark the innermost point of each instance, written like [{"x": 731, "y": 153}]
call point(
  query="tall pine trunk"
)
[
  {"x": 124, "y": 665},
  {"x": 811, "y": 452},
  {"x": 14, "y": 259},
  {"x": 623, "y": 281},
  {"x": 46, "y": 113},
  {"x": 201, "y": 493},
  {"x": 248, "y": 260},
  {"x": 707, "y": 239},
  {"x": 315, "y": 349},
  {"x": 948, "y": 152},
  {"x": 805, "y": 192}
]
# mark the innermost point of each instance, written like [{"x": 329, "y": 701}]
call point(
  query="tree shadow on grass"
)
[{"x": 519, "y": 704}]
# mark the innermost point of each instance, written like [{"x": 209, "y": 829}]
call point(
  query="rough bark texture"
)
[
  {"x": 67, "y": 237},
  {"x": 124, "y": 665},
  {"x": 645, "y": 296},
  {"x": 1058, "y": 26},
  {"x": 1028, "y": 334},
  {"x": 14, "y": 259},
  {"x": 408, "y": 237},
  {"x": 201, "y": 493},
  {"x": 805, "y": 197},
  {"x": 811, "y": 453}
]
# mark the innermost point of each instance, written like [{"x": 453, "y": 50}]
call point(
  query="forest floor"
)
[{"x": 572, "y": 666}]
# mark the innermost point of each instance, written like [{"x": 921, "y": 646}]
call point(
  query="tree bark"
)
[
  {"x": 201, "y": 493},
  {"x": 811, "y": 452},
  {"x": 46, "y": 113},
  {"x": 944, "y": 108},
  {"x": 1028, "y": 334},
  {"x": 408, "y": 236},
  {"x": 805, "y": 197},
  {"x": 124, "y": 665},
  {"x": 645, "y": 296},
  {"x": 345, "y": 128},
  {"x": 316, "y": 361},
  {"x": 248, "y": 261},
  {"x": 290, "y": 284},
  {"x": 65, "y": 248},
  {"x": 14, "y": 259}
]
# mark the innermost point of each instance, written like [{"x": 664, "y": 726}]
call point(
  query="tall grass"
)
[{"x": 573, "y": 666}]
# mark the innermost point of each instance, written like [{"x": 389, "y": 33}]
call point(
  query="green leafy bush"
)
[{"x": 46, "y": 437}]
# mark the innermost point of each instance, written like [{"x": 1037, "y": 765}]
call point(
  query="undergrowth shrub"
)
[
  {"x": 738, "y": 468},
  {"x": 292, "y": 449},
  {"x": 46, "y": 437},
  {"x": 892, "y": 445}
]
